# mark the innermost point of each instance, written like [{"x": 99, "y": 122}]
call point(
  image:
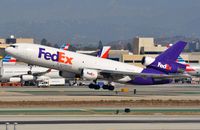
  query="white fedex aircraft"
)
[
  {"x": 158, "y": 71},
  {"x": 10, "y": 71}
]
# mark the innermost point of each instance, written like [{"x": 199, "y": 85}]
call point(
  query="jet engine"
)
[
  {"x": 90, "y": 74},
  {"x": 147, "y": 60}
]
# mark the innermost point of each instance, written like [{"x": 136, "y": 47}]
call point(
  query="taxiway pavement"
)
[{"x": 101, "y": 122}]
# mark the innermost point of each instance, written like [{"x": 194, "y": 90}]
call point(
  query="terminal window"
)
[
  {"x": 153, "y": 52},
  {"x": 128, "y": 61},
  {"x": 193, "y": 61},
  {"x": 10, "y": 40},
  {"x": 115, "y": 59},
  {"x": 137, "y": 61}
]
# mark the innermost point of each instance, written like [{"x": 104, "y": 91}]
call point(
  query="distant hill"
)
[
  {"x": 172, "y": 40},
  {"x": 192, "y": 42}
]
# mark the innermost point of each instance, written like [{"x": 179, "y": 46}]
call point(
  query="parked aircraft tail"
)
[
  {"x": 104, "y": 52},
  {"x": 65, "y": 46},
  {"x": 9, "y": 59}
]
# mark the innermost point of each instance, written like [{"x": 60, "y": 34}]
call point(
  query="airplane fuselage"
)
[{"x": 74, "y": 62}]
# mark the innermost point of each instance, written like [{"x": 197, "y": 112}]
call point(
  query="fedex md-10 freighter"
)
[{"x": 160, "y": 70}]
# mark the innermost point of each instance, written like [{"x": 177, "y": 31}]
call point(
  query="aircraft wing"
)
[
  {"x": 41, "y": 73},
  {"x": 121, "y": 74}
]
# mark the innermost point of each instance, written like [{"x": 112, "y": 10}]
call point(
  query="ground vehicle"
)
[
  {"x": 51, "y": 82},
  {"x": 43, "y": 84}
]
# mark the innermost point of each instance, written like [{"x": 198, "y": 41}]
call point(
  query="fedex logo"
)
[
  {"x": 91, "y": 74},
  {"x": 58, "y": 57},
  {"x": 166, "y": 66}
]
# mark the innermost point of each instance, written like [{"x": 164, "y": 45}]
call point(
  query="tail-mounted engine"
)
[{"x": 146, "y": 61}]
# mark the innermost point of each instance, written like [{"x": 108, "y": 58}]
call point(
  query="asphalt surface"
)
[
  {"x": 142, "y": 90},
  {"x": 102, "y": 122},
  {"x": 106, "y": 121},
  {"x": 157, "y": 121}
]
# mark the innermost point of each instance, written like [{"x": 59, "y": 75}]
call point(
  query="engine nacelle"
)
[
  {"x": 27, "y": 77},
  {"x": 146, "y": 61},
  {"x": 90, "y": 74},
  {"x": 15, "y": 79},
  {"x": 66, "y": 74}
]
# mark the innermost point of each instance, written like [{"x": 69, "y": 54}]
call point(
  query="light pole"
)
[
  {"x": 15, "y": 125},
  {"x": 7, "y": 123}
]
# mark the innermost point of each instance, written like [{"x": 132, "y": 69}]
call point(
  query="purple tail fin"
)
[
  {"x": 166, "y": 61},
  {"x": 172, "y": 53}
]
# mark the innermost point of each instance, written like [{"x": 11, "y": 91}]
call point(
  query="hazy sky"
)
[{"x": 92, "y": 20}]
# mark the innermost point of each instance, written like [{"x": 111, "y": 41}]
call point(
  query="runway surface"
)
[
  {"x": 178, "y": 95},
  {"x": 163, "y": 99},
  {"x": 105, "y": 121},
  {"x": 142, "y": 90},
  {"x": 102, "y": 122},
  {"x": 101, "y": 117}
]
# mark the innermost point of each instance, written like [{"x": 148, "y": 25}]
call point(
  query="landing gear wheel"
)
[
  {"x": 105, "y": 86},
  {"x": 91, "y": 86},
  {"x": 111, "y": 88},
  {"x": 94, "y": 86},
  {"x": 97, "y": 87}
]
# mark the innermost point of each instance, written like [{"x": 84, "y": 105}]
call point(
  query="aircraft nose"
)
[
  {"x": 11, "y": 49},
  {"x": 8, "y": 49}
]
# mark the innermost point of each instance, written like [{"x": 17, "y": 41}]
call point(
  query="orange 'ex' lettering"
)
[{"x": 64, "y": 59}]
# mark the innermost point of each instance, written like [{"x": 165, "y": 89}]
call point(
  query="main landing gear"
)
[{"x": 97, "y": 87}]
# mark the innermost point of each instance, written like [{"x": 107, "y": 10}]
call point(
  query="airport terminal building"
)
[{"x": 145, "y": 46}]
